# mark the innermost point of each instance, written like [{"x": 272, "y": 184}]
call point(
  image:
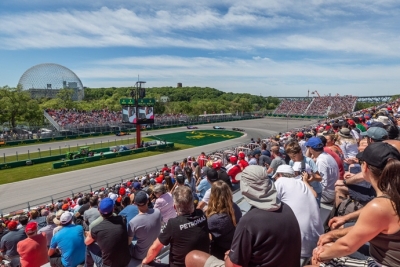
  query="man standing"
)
[
  {"x": 145, "y": 226},
  {"x": 33, "y": 250},
  {"x": 69, "y": 241},
  {"x": 327, "y": 167},
  {"x": 187, "y": 232},
  {"x": 111, "y": 236},
  {"x": 276, "y": 243}
]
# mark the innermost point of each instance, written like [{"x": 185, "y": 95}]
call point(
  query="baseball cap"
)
[
  {"x": 31, "y": 227},
  {"x": 66, "y": 217},
  {"x": 300, "y": 134},
  {"x": 314, "y": 142},
  {"x": 257, "y": 188},
  {"x": 65, "y": 207},
  {"x": 113, "y": 196},
  {"x": 376, "y": 133},
  {"x": 216, "y": 165},
  {"x": 12, "y": 225},
  {"x": 297, "y": 167},
  {"x": 122, "y": 191},
  {"x": 212, "y": 175},
  {"x": 233, "y": 159},
  {"x": 283, "y": 169},
  {"x": 241, "y": 154},
  {"x": 136, "y": 186},
  {"x": 256, "y": 152},
  {"x": 351, "y": 122},
  {"x": 141, "y": 198},
  {"x": 377, "y": 154},
  {"x": 106, "y": 206},
  {"x": 376, "y": 124}
]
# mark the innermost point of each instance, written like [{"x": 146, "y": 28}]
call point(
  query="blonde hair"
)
[
  {"x": 209, "y": 164},
  {"x": 221, "y": 201}
]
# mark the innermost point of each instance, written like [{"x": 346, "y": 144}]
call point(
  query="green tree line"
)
[{"x": 17, "y": 105}]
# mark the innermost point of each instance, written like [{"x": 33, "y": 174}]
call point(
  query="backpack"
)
[{"x": 348, "y": 206}]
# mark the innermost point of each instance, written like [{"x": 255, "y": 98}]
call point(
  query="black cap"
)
[
  {"x": 141, "y": 198},
  {"x": 377, "y": 154},
  {"x": 212, "y": 175}
]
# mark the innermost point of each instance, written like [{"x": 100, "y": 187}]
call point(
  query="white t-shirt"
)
[
  {"x": 329, "y": 171},
  {"x": 350, "y": 150},
  {"x": 206, "y": 197},
  {"x": 302, "y": 144},
  {"x": 300, "y": 199}
]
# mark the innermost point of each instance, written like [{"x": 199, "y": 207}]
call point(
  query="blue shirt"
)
[
  {"x": 70, "y": 241},
  {"x": 315, "y": 185},
  {"x": 203, "y": 186},
  {"x": 129, "y": 212}
]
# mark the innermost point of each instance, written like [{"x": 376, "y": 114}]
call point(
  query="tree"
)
[{"x": 65, "y": 95}]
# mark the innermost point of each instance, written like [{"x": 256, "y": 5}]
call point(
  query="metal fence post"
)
[
  {"x": 90, "y": 186},
  {"x": 72, "y": 193},
  {"x": 16, "y": 153},
  {"x": 59, "y": 149},
  {"x": 29, "y": 155},
  {"x": 50, "y": 150},
  {"x": 4, "y": 157},
  {"x": 29, "y": 206}
]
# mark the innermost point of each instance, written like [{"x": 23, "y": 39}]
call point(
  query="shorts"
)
[
  {"x": 214, "y": 262},
  {"x": 347, "y": 261},
  {"x": 327, "y": 197}
]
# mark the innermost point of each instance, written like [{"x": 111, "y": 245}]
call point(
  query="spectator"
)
[
  {"x": 187, "y": 232},
  {"x": 277, "y": 160},
  {"x": 41, "y": 220},
  {"x": 69, "y": 241},
  {"x": 334, "y": 156},
  {"x": 348, "y": 145},
  {"x": 145, "y": 226},
  {"x": 129, "y": 211},
  {"x": 49, "y": 228},
  {"x": 190, "y": 180},
  {"x": 93, "y": 212},
  {"x": 222, "y": 216},
  {"x": 8, "y": 244},
  {"x": 111, "y": 236},
  {"x": 277, "y": 243},
  {"x": 222, "y": 175},
  {"x": 33, "y": 250},
  {"x": 331, "y": 140},
  {"x": 212, "y": 176},
  {"x": 164, "y": 203},
  {"x": 233, "y": 169},
  {"x": 327, "y": 167},
  {"x": 301, "y": 200},
  {"x": 203, "y": 185}
]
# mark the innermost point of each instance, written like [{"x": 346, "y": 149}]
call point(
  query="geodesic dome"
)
[{"x": 41, "y": 79}]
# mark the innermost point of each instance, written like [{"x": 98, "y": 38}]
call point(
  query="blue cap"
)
[
  {"x": 314, "y": 142},
  {"x": 106, "y": 206}
]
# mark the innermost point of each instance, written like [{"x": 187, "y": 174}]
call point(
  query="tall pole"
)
[{"x": 138, "y": 135}]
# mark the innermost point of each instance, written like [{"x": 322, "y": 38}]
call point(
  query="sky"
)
[{"x": 262, "y": 47}]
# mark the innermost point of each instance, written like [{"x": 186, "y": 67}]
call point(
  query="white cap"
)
[{"x": 284, "y": 169}]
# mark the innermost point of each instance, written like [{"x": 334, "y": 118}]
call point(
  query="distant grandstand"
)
[
  {"x": 323, "y": 106},
  {"x": 46, "y": 80}
]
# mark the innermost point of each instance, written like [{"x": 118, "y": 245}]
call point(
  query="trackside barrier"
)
[{"x": 67, "y": 163}]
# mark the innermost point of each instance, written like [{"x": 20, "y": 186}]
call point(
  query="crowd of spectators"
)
[
  {"x": 292, "y": 107},
  {"x": 351, "y": 163},
  {"x": 342, "y": 104},
  {"x": 74, "y": 118}
]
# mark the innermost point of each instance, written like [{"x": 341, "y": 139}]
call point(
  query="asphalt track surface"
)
[{"x": 17, "y": 194}]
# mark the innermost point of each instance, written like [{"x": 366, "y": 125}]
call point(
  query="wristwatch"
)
[{"x": 344, "y": 182}]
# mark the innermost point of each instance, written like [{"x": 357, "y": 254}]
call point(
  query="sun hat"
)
[
  {"x": 383, "y": 119},
  {"x": 258, "y": 189},
  {"x": 283, "y": 169},
  {"x": 56, "y": 220},
  {"x": 345, "y": 133}
]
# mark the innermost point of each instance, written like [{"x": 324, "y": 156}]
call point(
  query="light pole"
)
[{"x": 137, "y": 94}]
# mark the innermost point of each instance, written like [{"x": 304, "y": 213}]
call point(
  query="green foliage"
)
[{"x": 363, "y": 105}]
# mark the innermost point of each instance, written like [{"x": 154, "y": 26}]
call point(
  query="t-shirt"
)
[
  {"x": 350, "y": 149},
  {"x": 112, "y": 237},
  {"x": 222, "y": 229},
  {"x": 33, "y": 251},
  {"x": 165, "y": 204},
  {"x": 233, "y": 171},
  {"x": 84, "y": 208},
  {"x": 276, "y": 242},
  {"x": 129, "y": 212},
  {"x": 10, "y": 240},
  {"x": 266, "y": 153},
  {"x": 329, "y": 171},
  {"x": 276, "y": 162},
  {"x": 338, "y": 161},
  {"x": 207, "y": 195},
  {"x": 91, "y": 214},
  {"x": 191, "y": 184},
  {"x": 242, "y": 163},
  {"x": 302, "y": 144},
  {"x": 145, "y": 227},
  {"x": 41, "y": 221},
  {"x": 253, "y": 161},
  {"x": 262, "y": 160},
  {"x": 70, "y": 241},
  {"x": 203, "y": 186},
  {"x": 48, "y": 230},
  {"x": 300, "y": 199},
  {"x": 185, "y": 233}
]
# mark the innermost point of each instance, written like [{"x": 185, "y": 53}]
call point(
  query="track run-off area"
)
[{"x": 15, "y": 194}]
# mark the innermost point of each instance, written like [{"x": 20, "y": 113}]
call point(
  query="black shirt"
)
[
  {"x": 185, "y": 233},
  {"x": 112, "y": 237},
  {"x": 267, "y": 239}
]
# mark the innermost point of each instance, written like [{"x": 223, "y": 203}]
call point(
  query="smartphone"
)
[{"x": 355, "y": 169}]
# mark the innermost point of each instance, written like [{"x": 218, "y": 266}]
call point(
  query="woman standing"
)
[
  {"x": 378, "y": 222},
  {"x": 222, "y": 216}
]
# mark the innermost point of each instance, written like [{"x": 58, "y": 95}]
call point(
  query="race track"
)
[{"x": 15, "y": 195}]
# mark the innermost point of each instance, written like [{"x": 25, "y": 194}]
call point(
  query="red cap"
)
[
  {"x": 216, "y": 165},
  {"x": 31, "y": 227},
  {"x": 241, "y": 154},
  {"x": 233, "y": 159},
  {"x": 389, "y": 108},
  {"x": 122, "y": 191},
  {"x": 300, "y": 134},
  {"x": 351, "y": 122},
  {"x": 65, "y": 207},
  {"x": 12, "y": 225}
]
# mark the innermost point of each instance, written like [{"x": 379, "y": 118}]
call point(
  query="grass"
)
[
  {"x": 63, "y": 151},
  {"x": 39, "y": 170}
]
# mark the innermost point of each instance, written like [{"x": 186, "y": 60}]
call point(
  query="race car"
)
[
  {"x": 238, "y": 129},
  {"x": 122, "y": 133},
  {"x": 192, "y": 127},
  {"x": 218, "y": 127}
]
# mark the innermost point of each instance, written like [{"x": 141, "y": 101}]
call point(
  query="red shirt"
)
[
  {"x": 159, "y": 179},
  {"x": 165, "y": 169},
  {"x": 233, "y": 172},
  {"x": 242, "y": 163},
  {"x": 338, "y": 161},
  {"x": 202, "y": 161},
  {"x": 33, "y": 251}
]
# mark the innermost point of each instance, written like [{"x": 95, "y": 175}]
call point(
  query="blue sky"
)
[{"x": 267, "y": 47}]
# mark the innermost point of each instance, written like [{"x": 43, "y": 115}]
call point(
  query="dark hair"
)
[
  {"x": 93, "y": 201},
  {"x": 23, "y": 220},
  {"x": 323, "y": 139},
  {"x": 389, "y": 183},
  {"x": 393, "y": 131},
  {"x": 126, "y": 201},
  {"x": 180, "y": 178}
]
